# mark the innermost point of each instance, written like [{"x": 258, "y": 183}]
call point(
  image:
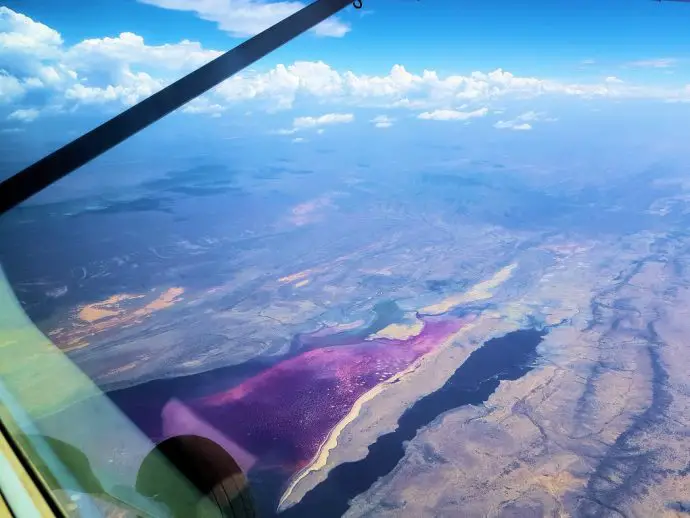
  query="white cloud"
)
[
  {"x": 513, "y": 125},
  {"x": 114, "y": 67},
  {"x": 304, "y": 123},
  {"x": 281, "y": 85},
  {"x": 93, "y": 71},
  {"x": 27, "y": 115},
  {"x": 522, "y": 121},
  {"x": 613, "y": 79},
  {"x": 382, "y": 121},
  {"x": 19, "y": 34},
  {"x": 131, "y": 49},
  {"x": 653, "y": 63},
  {"x": 242, "y": 18},
  {"x": 298, "y": 140},
  {"x": 452, "y": 115},
  {"x": 132, "y": 88},
  {"x": 202, "y": 105},
  {"x": 329, "y": 118},
  {"x": 11, "y": 88},
  {"x": 30, "y": 54},
  {"x": 120, "y": 70}
]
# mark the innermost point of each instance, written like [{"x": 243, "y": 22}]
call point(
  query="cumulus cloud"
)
[
  {"x": 202, "y": 105},
  {"x": 131, "y": 49},
  {"x": 329, "y": 118},
  {"x": 513, "y": 125},
  {"x": 382, "y": 121},
  {"x": 283, "y": 85},
  {"x": 122, "y": 69},
  {"x": 613, "y": 79},
  {"x": 452, "y": 115},
  {"x": 41, "y": 72},
  {"x": 20, "y": 35},
  {"x": 242, "y": 18},
  {"x": 11, "y": 88},
  {"x": 522, "y": 122},
  {"x": 31, "y": 54},
  {"x": 27, "y": 115},
  {"x": 132, "y": 88},
  {"x": 93, "y": 71},
  {"x": 304, "y": 123}
]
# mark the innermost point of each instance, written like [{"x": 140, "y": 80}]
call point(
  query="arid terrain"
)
[{"x": 495, "y": 343}]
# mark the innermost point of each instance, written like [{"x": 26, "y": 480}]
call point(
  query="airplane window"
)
[{"x": 425, "y": 259}]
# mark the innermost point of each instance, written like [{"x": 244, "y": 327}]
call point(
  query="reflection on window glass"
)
[{"x": 426, "y": 260}]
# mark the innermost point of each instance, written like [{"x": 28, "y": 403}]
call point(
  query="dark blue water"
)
[{"x": 506, "y": 358}]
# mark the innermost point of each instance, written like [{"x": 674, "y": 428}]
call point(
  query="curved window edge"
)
[{"x": 30, "y": 364}]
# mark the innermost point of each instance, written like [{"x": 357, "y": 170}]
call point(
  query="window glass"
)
[{"x": 427, "y": 259}]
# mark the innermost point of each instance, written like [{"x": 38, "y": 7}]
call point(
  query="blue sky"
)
[
  {"x": 512, "y": 65},
  {"x": 527, "y": 36}
]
